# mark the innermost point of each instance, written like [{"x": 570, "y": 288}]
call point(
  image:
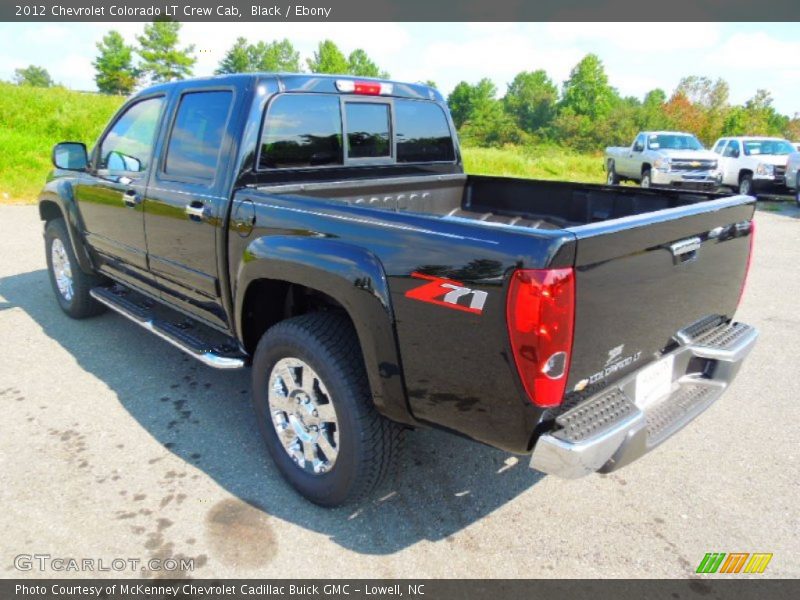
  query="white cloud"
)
[
  {"x": 638, "y": 38},
  {"x": 757, "y": 50}
]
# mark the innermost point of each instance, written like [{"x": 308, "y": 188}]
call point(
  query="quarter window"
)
[
  {"x": 128, "y": 146},
  {"x": 302, "y": 130},
  {"x": 368, "y": 130},
  {"x": 196, "y": 138}
]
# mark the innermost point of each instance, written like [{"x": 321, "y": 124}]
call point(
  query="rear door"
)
[
  {"x": 185, "y": 202},
  {"x": 641, "y": 279}
]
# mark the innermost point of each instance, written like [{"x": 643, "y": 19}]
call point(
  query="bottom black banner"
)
[{"x": 378, "y": 589}]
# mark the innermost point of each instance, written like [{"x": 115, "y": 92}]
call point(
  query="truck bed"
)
[{"x": 499, "y": 200}]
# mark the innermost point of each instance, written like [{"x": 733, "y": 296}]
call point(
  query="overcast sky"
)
[{"x": 638, "y": 56}]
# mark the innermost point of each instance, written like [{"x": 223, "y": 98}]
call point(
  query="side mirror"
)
[{"x": 71, "y": 156}]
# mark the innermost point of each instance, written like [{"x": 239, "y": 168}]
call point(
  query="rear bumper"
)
[{"x": 609, "y": 430}]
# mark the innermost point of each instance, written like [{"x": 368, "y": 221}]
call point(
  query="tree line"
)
[{"x": 585, "y": 112}]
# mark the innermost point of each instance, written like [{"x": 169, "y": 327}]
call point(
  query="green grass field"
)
[{"x": 32, "y": 120}]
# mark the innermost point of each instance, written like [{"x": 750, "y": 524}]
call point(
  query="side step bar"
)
[{"x": 184, "y": 334}]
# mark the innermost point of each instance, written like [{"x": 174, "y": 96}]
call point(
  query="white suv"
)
[{"x": 754, "y": 164}]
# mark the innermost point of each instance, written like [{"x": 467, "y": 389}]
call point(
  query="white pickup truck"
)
[
  {"x": 669, "y": 158},
  {"x": 754, "y": 165}
]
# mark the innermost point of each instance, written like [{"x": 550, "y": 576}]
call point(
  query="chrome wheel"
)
[
  {"x": 746, "y": 187},
  {"x": 303, "y": 415},
  {"x": 646, "y": 180},
  {"x": 611, "y": 178},
  {"x": 62, "y": 270}
]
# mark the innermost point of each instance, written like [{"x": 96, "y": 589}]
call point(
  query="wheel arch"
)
[
  {"x": 58, "y": 201},
  {"x": 283, "y": 276}
]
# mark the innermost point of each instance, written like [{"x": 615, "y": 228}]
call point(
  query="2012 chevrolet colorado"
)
[{"x": 321, "y": 231}]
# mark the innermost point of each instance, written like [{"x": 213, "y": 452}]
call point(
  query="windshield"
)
[
  {"x": 672, "y": 141},
  {"x": 770, "y": 147}
]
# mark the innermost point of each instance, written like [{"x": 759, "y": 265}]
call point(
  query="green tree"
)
[
  {"x": 277, "y": 56},
  {"x": 359, "y": 63},
  {"x": 114, "y": 70},
  {"x": 651, "y": 115},
  {"x": 237, "y": 59},
  {"x": 33, "y": 76},
  {"x": 467, "y": 100},
  {"x": 328, "y": 59},
  {"x": 587, "y": 91},
  {"x": 162, "y": 60},
  {"x": 430, "y": 83},
  {"x": 479, "y": 116},
  {"x": 531, "y": 99}
]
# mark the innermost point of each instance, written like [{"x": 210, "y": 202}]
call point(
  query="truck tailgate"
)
[{"x": 643, "y": 278}]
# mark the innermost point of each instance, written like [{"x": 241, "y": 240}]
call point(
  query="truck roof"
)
[
  {"x": 667, "y": 133},
  {"x": 306, "y": 82}
]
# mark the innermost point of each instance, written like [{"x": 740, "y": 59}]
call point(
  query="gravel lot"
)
[{"x": 113, "y": 444}]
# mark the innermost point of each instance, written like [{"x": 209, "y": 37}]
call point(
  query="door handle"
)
[
  {"x": 196, "y": 210},
  {"x": 131, "y": 198}
]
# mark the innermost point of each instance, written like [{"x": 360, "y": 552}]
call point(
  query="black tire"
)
[
  {"x": 612, "y": 178},
  {"x": 80, "y": 304},
  {"x": 746, "y": 184},
  {"x": 647, "y": 179},
  {"x": 368, "y": 443}
]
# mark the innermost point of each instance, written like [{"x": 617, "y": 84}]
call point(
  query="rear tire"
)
[
  {"x": 70, "y": 284},
  {"x": 315, "y": 411},
  {"x": 746, "y": 185},
  {"x": 612, "y": 178},
  {"x": 647, "y": 180}
]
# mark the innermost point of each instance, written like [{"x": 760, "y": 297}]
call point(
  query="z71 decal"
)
[{"x": 449, "y": 293}]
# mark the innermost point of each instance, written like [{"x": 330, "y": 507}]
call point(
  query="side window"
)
[
  {"x": 368, "y": 130},
  {"x": 719, "y": 146},
  {"x": 196, "y": 136},
  {"x": 302, "y": 130},
  {"x": 638, "y": 145},
  {"x": 732, "y": 149},
  {"x": 422, "y": 132},
  {"x": 128, "y": 146}
]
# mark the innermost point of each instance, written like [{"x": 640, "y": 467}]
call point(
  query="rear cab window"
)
[{"x": 305, "y": 130}]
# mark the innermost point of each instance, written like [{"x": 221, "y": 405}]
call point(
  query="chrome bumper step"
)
[
  {"x": 608, "y": 430},
  {"x": 199, "y": 341}
]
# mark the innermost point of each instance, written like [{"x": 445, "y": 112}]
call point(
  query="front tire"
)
[
  {"x": 612, "y": 178},
  {"x": 746, "y": 185},
  {"x": 315, "y": 411},
  {"x": 70, "y": 284},
  {"x": 647, "y": 179}
]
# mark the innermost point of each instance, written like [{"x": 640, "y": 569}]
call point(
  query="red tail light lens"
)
[
  {"x": 541, "y": 320},
  {"x": 367, "y": 88},
  {"x": 749, "y": 260}
]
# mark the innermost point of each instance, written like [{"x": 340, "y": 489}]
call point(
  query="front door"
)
[
  {"x": 110, "y": 197},
  {"x": 184, "y": 207}
]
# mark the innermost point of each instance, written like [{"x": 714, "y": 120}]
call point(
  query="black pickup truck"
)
[{"x": 321, "y": 231}]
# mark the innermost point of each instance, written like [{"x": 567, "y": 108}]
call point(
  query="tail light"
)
[
  {"x": 366, "y": 88},
  {"x": 749, "y": 260},
  {"x": 541, "y": 319}
]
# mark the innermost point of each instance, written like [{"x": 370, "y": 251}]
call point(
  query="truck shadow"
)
[{"x": 204, "y": 417}]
